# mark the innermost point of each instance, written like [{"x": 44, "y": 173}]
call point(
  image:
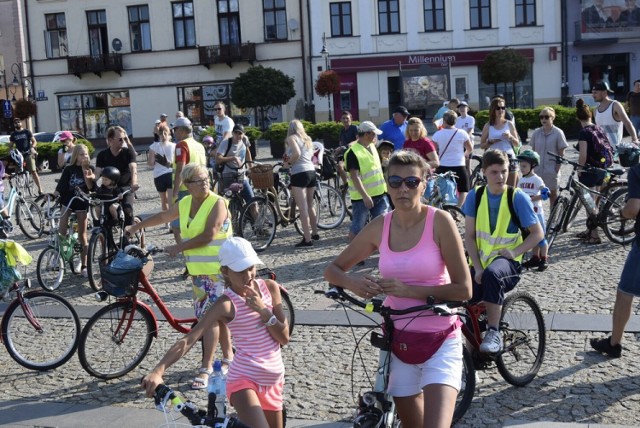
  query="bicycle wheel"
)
[
  {"x": 616, "y": 228},
  {"x": 29, "y": 218},
  {"x": 477, "y": 178},
  {"x": 50, "y": 269},
  {"x": 316, "y": 207},
  {"x": 555, "y": 220},
  {"x": 524, "y": 337},
  {"x": 287, "y": 307},
  {"x": 96, "y": 255},
  {"x": 115, "y": 340},
  {"x": 331, "y": 209},
  {"x": 458, "y": 217},
  {"x": 52, "y": 342},
  {"x": 467, "y": 387},
  {"x": 572, "y": 212},
  {"x": 258, "y": 222},
  {"x": 235, "y": 206}
]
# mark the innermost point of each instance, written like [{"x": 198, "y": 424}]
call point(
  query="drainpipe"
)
[
  {"x": 565, "y": 48},
  {"x": 30, "y": 62},
  {"x": 304, "y": 72},
  {"x": 311, "y": 92}
]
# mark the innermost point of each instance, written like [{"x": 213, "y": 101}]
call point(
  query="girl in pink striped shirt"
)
[{"x": 252, "y": 309}]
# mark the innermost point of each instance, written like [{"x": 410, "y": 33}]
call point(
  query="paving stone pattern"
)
[{"x": 574, "y": 384}]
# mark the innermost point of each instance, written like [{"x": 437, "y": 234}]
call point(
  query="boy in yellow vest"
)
[{"x": 494, "y": 240}]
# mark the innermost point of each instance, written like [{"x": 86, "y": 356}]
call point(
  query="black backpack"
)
[
  {"x": 328, "y": 169},
  {"x": 514, "y": 217}
]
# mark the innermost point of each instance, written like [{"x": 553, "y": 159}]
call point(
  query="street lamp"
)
[{"x": 325, "y": 54}]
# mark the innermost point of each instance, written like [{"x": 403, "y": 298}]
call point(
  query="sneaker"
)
[
  {"x": 544, "y": 264},
  {"x": 604, "y": 346},
  {"x": 492, "y": 342},
  {"x": 304, "y": 243},
  {"x": 315, "y": 237},
  {"x": 84, "y": 272},
  {"x": 534, "y": 261}
]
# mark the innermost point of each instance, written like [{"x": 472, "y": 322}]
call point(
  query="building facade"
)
[
  {"x": 379, "y": 49},
  {"x": 103, "y": 63}
]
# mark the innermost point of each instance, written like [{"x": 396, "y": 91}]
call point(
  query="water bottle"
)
[
  {"x": 217, "y": 391},
  {"x": 589, "y": 202}
]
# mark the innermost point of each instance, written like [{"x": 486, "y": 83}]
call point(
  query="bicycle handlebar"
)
[
  {"x": 440, "y": 308},
  {"x": 142, "y": 253},
  {"x": 164, "y": 395},
  {"x": 93, "y": 199}
]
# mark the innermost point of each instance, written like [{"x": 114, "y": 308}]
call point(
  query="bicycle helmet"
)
[
  {"x": 530, "y": 156},
  {"x": 17, "y": 158},
  {"x": 112, "y": 173}
]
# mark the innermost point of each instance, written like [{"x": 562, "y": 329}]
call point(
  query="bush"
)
[
  {"x": 529, "y": 119},
  {"x": 49, "y": 151},
  {"x": 328, "y": 132},
  {"x": 253, "y": 133}
]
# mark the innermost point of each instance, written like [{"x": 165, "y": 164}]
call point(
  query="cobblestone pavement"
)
[{"x": 574, "y": 385}]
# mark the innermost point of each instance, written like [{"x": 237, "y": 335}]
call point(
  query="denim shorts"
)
[
  {"x": 360, "y": 213},
  {"x": 630, "y": 278}
]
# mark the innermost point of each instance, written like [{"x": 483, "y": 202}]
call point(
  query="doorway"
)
[{"x": 610, "y": 68}]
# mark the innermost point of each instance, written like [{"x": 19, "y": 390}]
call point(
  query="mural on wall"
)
[{"x": 610, "y": 18}]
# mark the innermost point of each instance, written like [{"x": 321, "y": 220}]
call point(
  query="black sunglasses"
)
[
  {"x": 218, "y": 108},
  {"x": 501, "y": 108},
  {"x": 544, "y": 116},
  {"x": 411, "y": 182}
]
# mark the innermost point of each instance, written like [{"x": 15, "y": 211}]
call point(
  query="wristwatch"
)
[{"x": 272, "y": 321}]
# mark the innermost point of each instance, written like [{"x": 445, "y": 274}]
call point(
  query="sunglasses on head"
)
[
  {"x": 544, "y": 116},
  {"x": 411, "y": 182}
]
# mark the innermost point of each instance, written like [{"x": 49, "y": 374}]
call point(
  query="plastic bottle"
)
[
  {"x": 590, "y": 203},
  {"x": 217, "y": 391}
]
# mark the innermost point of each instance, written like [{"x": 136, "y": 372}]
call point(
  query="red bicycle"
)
[{"x": 118, "y": 337}]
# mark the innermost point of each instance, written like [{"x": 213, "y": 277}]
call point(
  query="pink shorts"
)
[{"x": 270, "y": 397}]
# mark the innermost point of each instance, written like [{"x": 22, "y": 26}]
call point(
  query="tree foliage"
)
[
  {"x": 262, "y": 87},
  {"x": 504, "y": 66}
]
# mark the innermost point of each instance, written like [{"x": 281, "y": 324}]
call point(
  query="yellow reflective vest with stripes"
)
[
  {"x": 489, "y": 244},
  {"x": 203, "y": 260},
  {"x": 370, "y": 171}
]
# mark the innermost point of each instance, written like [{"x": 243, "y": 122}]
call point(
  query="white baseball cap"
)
[
  {"x": 238, "y": 254},
  {"x": 367, "y": 126}
]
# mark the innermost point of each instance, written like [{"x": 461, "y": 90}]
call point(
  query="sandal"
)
[
  {"x": 225, "y": 365},
  {"x": 201, "y": 382},
  {"x": 593, "y": 240}
]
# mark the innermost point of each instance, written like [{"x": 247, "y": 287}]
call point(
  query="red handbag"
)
[{"x": 416, "y": 347}]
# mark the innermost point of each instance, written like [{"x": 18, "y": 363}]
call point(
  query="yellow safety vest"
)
[
  {"x": 489, "y": 244},
  {"x": 370, "y": 171},
  {"x": 203, "y": 260},
  {"x": 196, "y": 155}
]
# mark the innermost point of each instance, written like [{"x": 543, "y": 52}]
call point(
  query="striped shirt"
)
[{"x": 257, "y": 357}]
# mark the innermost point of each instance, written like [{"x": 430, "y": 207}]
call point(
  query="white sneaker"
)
[
  {"x": 85, "y": 273},
  {"x": 492, "y": 342}
]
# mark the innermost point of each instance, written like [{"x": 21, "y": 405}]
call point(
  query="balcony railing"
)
[
  {"x": 227, "y": 54},
  {"x": 97, "y": 64}
]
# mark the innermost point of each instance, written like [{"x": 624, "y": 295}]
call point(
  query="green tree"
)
[
  {"x": 262, "y": 87},
  {"x": 504, "y": 66}
]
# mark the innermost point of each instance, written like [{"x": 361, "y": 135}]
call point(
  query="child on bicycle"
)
[
  {"x": 533, "y": 185},
  {"x": 76, "y": 174},
  {"x": 108, "y": 190},
  {"x": 252, "y": 309}
]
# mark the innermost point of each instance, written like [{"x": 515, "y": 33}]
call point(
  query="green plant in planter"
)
[
  {"x": 328, "y": 132},
  {"x": 49, "y": 152}
]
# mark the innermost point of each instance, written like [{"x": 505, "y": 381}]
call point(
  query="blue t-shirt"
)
[
  {"x": 393, "y": 133},
  {"x": 440, "y": 113},
  {"x": 633, "y": 180},
  {"x": 521, "y": 204}
]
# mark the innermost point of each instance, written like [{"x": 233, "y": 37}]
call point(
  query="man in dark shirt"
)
[
  {"x": 633, "y": 103},
  {"x": 123, "y": 159},
  {"x": 348, "y": 134},
  {"x": 629, "y": 285},
  {"x": 26, "y": 144}
]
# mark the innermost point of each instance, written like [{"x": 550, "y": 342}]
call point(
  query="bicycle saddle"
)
[{"x": 616, "y": 171}]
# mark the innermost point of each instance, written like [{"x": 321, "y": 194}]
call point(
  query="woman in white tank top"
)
[{"x": 501, "y": 134}]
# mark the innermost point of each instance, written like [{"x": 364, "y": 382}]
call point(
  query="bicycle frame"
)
[{"x": 19, "y": 290}]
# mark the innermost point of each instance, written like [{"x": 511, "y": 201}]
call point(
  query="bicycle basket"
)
[
  {"x": 261, "y": 176},
  {"x": 593, "y": 177},
  {"x": 628, "y": 156},
  {"x": 120, "y": 278}
]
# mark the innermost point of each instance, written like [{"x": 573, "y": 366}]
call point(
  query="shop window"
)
[{"x": 92, "y": 114}]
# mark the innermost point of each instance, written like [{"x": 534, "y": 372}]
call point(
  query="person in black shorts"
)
[{"x": 26, "y": 144}]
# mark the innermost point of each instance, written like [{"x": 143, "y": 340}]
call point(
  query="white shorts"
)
[{"x": 444, "y": 367}]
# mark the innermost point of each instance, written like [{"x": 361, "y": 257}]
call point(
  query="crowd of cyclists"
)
[{"x": 386, "y": 180}]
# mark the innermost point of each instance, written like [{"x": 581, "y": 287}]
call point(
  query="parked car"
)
[
  {"x": 587, "y": 98},
  {"x": 4, "y": 139},
  {"x": 54, "y": 137}
]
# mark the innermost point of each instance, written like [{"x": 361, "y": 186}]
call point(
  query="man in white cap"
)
[
  {"x": 367, "y": 187},
  {"x": 610, "y": 115}
]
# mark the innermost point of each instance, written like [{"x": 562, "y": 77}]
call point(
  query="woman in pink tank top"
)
[
  {"x": 252, "y": 309},
  {"x": 421, "y": 255}
]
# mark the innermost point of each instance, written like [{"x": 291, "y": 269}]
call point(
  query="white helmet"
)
[{"x": 17, "y": 157}]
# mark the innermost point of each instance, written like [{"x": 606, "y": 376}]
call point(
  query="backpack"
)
[
  {"x": 220, "y": 167},
  {"x": 328, "y": 169},
  {"x": 514, "y": 217},
  {"x": 602, "y": 156}
]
